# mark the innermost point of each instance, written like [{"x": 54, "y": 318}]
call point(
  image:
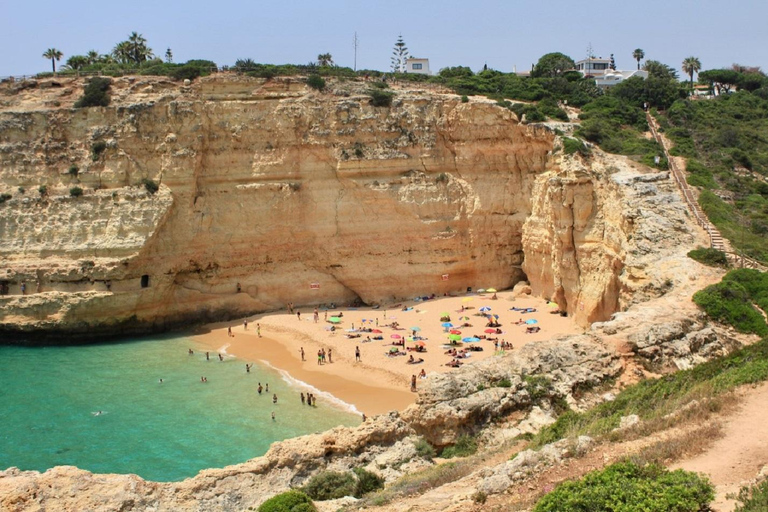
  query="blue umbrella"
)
[
  {"x": 496, "y": 317},
  {"x": 470, "y": 339},
  {"x": 484, "y": 309},
  {"x": 447, "y": 324},
  {"x": 416, "y": 328},
  {"x": 531, "y": 321}
]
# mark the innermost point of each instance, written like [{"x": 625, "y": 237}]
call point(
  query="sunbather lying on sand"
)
[{"x": 411, "y": 360}]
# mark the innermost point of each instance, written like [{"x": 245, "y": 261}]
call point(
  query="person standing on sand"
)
[
  {"x": 290, "y": 308},
  {"x": 258, "y": 330},
  {"x": 317, "y": 316},
  {"x": 229, "y": 331},
  {"x": 245, "y": 324},
  {"x": 413, "y": 383},
  {"x": 325, "y": 316},
  {"x": 364, "y": 418},
  {"x": 319, "y": 357},
  {"x": 330, "y": 355},
  {"x": 357, "y": 355},
  {"x": 298, "y": 314},
  {"x": 302, "y": 353}
]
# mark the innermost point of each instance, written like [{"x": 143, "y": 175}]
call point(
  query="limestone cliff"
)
[{"x": 290, "y": 195}]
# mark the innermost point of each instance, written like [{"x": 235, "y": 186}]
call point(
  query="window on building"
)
[
  {"x": 416, "y": 66},
  {"x": 601, "y": 66}
]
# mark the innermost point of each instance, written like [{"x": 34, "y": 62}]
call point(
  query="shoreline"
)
[{"x": 379, "y": 383}]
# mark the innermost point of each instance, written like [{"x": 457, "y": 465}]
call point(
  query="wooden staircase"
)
[{"x": 716, "y": 240}]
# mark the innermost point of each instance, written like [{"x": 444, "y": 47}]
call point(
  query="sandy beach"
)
[{"x": 380, "y": 382}]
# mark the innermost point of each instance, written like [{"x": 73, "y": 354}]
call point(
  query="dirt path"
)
[{"x": 739, "y": 455}]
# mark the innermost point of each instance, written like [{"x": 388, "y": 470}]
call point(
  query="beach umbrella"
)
[
  {"x": 377, "y": 331},
  {"x": 485, "y": 309},
  {"x": 552, "y": 305},
  {"x": 334, "y": 320},
  {"x": 416, "y": 328},
  {"x": 496, "y": 317},
  {"x": 490, "y": 331},
  {"x": 471, "y": 339},
  {"x": 463, "y": 318},
  {"x": 455, "y": 331},
  {"x": 447, "y": 325},
  {"x": 532, "y": 321},
  {"x": 491, "y": 290},
  {"x": 445, "y": 313},
  {"x": 466, "y": 299},
  {"x": 395, "y": 336},
  {"x": 419, "y": 343},
  {"x": 409, "y": 338},
  {"x": 393, "y": 350},
  {"x": 454, "y": 337},
  {"x": 481, "y": 290}
]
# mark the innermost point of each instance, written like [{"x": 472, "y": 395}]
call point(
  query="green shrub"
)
[
  {"x": 290, "y": 501},
  {"x": 464, "y": 99},
  {"x": 380, "y": 85},
  {"x": 316, "y": 82},
  {"x": 330, "y": 485},
  {"x": 381, "y": 98},
  {"x": 709, "y": 256},
  {"x": 42, "y": 190},
  {"x": 5, "y": 197},
  {"x": 74, "y": 170},
  {"x": 503, "y": 383},
  {"x": 185, "y": 73},
  {"x": 151, "y": 186},
  {"x": 95, "y": 93},
  {"x": 572, "y": 145},
  {"x": 22, "y": 190},
  {"x": 626, "y": 487},
  {"x": 96, "y": 150},
  {"x": 753, "y": 499},
  {"x": 464, "y": 447},
  {"x": 729, "y": 302},
  {"x": 367, "y": 482},
  {"x": 441, "y": 178},
  {"x": 75, "y": 192},
  {"x": 424, "y": 449}
]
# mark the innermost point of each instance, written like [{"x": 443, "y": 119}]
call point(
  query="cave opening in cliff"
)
[{"x": 145, "y": 281}]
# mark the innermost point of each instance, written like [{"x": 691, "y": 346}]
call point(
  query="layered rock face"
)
[{"x": 287, "y": 195}]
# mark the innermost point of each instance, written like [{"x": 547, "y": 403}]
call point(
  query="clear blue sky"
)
[{"x": 448, "y": 32}]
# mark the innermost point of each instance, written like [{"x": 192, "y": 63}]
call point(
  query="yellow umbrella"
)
[
  {"x": 466, "y": 299},
  {"x": 491, "y": 290}
]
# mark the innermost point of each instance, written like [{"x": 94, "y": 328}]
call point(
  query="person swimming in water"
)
[
  {"x": 274, "y": 399},
  {"x": 260, "y": 388}
]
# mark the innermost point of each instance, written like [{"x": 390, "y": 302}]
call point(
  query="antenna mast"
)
[{"x": 355, "y": 44}]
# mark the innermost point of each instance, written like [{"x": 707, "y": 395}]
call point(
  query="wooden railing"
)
[{"x": 716, "y": 240}]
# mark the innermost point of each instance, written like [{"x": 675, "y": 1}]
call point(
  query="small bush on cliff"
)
[
  {"x": 367, "y": 482},
  {"x": 330, "y": 485},
  {"x": 42, "y": 190},
  {"x": 74, "y": 170},
  {"x": 572, "y": 145},
  {"x": 75, "y": 192},
  {"x": 464, "y": 447},
  {"x": 753, "y": 499},
  {"x": 150, "y": 185},
  {"x": 424, "y": 449},
  {"x": 381, "y": 98},
  {"x": 709, "y": 256},
  {"x": 464, "y": 99},
  {"x": 729, "y": 302},
  {"x": 96, "y": 150},
  {"x": 316, "y": 82},
  {"x": 627, "y": 487},
  {"x": 290, "y": 501},
  {"x": 5, "y": 197},
  {"x": 95, "y": 93}
]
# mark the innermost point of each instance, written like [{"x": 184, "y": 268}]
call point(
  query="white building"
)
[
  {"x": 613, "y": 77},
  {"x": 594, "y": 66},
  {"x": 417, "y": 66}
]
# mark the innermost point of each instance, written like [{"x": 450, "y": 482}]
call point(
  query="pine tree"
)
[
  {"x": 399, "y": 55},
  {"x": 168, "y": 56}
]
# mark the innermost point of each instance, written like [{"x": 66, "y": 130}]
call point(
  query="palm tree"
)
[
  {"x": 77, "y": 62},
  {"x": 54, "y": 55},
  {"x": 691, "y": 65},
  {"x": 139, "y": 49},
  {"x": 122, "y": 52},
  {"x": 325, "y": 59},
  {"x": 638, "y": 55},
  {"x": 92, "y": 56}
]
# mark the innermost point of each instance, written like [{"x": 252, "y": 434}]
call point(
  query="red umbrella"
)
[
  {"x": 376, "y": 331},
  {"x": 396, "y": 336},
  {"x": 455, "y": 331},
  {"x": 490, "y": 331}
]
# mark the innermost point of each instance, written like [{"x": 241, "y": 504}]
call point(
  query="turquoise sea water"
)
[{"x": 50, "y": 397}]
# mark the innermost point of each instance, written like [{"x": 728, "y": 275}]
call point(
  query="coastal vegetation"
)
[
  {"x": 289, "y": 501},
  {"x": 709, "y": 256},
  {"x": 731, "y": 300},
  {"x": 95, "y": 94},
  {"x": 753, "y": 498},
  {"x": 331, "y": 485},
  {"x": 628, "y": 487}
]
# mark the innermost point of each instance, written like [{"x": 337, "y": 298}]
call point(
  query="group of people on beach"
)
[{"x": 310, "y": 399}]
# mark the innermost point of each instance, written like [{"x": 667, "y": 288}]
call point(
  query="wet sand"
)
[{"x": 380, "y": 383}]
